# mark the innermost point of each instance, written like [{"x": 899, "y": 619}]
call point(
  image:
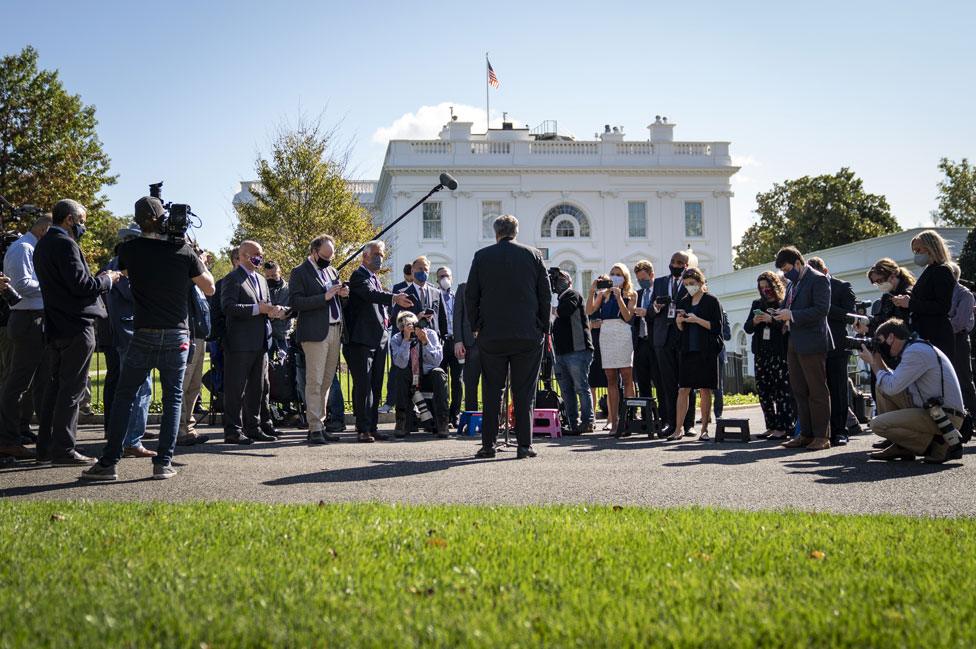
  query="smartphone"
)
[
  {"x": 756, "y": 312},
  {"x": 604, "y": 283},
  {"x": 427, "y": 312}
]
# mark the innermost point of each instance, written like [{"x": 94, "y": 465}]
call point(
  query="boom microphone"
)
[{"x": 448, "y": 181}]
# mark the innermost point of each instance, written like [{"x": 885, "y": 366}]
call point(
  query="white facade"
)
[
  {"x": 849, "y": 263},
  {"x": 585, "y": 204}
]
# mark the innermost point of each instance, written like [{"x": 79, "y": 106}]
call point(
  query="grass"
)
[{"x": 234, "y": 574}]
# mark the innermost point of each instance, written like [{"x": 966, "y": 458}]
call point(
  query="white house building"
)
[{"x": 585, "y": 204}]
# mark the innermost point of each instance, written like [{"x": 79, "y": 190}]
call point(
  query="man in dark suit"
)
[
  {"x": 72, "y": 302},
  {"x": 368, "y": 322},
  {"x": 391, "y": 381},
  {"x": 805, "y": 309},
  {"x": 842, "y": 302},
  {"x": 445, "y": 327},
  {"x": 646, "y": 372},
  {"x": 400, "y": 287},
  {"x": 246, "y": 302},
  {"x": 667, "y": 292},
  {"x": 466, "y": 351},
  {"x": 315, "y": 295},
  {"x": 508, "y": 298}
]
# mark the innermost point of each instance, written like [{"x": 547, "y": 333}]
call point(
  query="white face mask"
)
[
  {"x": 617, "y": 280},
  {"x": 692, "y": 289},
  {"x": 445, "y": 283},
  {"x": 884, "y": 287}
]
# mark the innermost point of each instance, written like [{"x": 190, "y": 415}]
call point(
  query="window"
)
[
  {"x": 636, "y": 219},
  {"x": 433, "y": 224},
  {"x": 587, "y": 281},
  {"x": 490, "y": 210},
  {"x": 578, "y": 219},
  {"x": 565, "y": 228},
  {"x": 694, "y": 222}
]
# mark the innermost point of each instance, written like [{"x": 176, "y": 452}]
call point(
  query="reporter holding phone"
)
[
  {"x": 699, "y": 319},
  {"x": 769, "y": 349},
  {"x": 614, "y": 304}
]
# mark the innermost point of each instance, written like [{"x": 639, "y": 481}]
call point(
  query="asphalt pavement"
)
[{"x": 591, "y": 468}]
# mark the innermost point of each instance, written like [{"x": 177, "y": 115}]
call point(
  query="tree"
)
[
  {"x": 303, "y": 193},
  {"x": 967, "y": 258},
  {"x": 813, "y": 213},
  {"x": 49, "y": 149},
  {"x": 957, "y": 194}
]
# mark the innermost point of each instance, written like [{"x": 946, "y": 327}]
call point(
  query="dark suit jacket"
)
[
  {"x": 429, "y": 297},
  {"x": 462, "y": 324},
  {"x": 307, "y": 297},
  {"x": 809, "y": 333},
  {"x": 245, "y": 332},
  {"x": 842, "y": 301},
  {"x": 665, "y": 330},
  {"x": 929, "y": 306},
  {"x": 366, "y": 311},
  {"x": 218, "y": 323},
  {"x": 72, "y": 296},
  {"x": 508, "y": 296},
  {"x": 648, "y": 319}
]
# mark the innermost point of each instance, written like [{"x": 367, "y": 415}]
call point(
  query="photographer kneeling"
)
[
  {"x": 919, "y": 403},
  {"x": 416, "y": 350}
]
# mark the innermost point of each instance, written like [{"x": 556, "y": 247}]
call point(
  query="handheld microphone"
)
[{"x": 448, "y": 181}]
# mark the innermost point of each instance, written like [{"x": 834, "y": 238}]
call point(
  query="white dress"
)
[{"x": 616, "y": 344}]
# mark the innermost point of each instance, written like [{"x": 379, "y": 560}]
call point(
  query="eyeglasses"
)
[{"x": 270, "y": 265}]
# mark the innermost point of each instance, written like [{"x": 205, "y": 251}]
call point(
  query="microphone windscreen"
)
[{"x": 448, "y": 181}]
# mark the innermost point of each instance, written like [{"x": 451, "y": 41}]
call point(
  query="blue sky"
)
[{"x": 190, "y": 92}]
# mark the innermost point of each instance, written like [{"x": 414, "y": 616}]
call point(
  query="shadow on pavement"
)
[{"x": 378, "y": 470}]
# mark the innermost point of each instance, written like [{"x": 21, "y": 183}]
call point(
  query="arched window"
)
[{"x": 577, "y": 220}]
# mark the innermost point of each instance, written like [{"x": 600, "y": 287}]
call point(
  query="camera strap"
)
[{"x": 938, "y": 360}]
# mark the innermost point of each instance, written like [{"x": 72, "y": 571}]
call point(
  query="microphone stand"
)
[{"x": 379, "y": 234}]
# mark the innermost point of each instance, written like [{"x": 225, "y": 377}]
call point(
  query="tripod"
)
[{"x": 504, "y": 416}]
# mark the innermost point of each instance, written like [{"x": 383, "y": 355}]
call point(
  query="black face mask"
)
[
  {"x": 884, "y": 349},
  {"x": 323, "y": 263},
  {"x": 676, "y": 271}
]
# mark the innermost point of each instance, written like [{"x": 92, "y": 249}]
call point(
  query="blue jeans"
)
[
  {"x": 165, "y": 350},
  {"x": 573, "y": 374},
  {"x": 140, "y": 412}
]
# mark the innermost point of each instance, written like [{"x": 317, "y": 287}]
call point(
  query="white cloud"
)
[
  {"x": 744, "y": 162},
  {"x": 428, "y": 121}
]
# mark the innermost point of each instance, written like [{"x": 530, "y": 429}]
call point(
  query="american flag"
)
[{"x": 492, "y": 79}]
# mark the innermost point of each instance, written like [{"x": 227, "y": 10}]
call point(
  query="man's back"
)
[
  {"x": 71, "y": 295},
  {"x": 160, "y": 275},
  {"x": 508, "y": 293}
]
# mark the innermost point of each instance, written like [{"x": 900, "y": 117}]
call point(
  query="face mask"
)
[
  {"x": 768, "y": 293},
  {"x": 375, "y": 263},
  {"x": 793, "y": 274},
  {"x": 560, "y": 286},
  {"x": 922, "y": 259},
  {"x": 78, "y": 230},
  {"x": 676, "y": 271},
  {"x": 884, "y": 349},
  {"x": 323, "y": 263},
  {"x": 884, "y": 287},
  {"x": 445, "y": 283},
  {"x": 256, "y": 260},
  {"x": 617, "y": 280},
  {"x": 644, "y": 283},
  {"x": 420, "y": 276},
  {"x": 692, "y": 289}
]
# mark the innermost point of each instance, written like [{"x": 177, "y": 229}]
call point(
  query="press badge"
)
[
  {"x": 767, "y": 334},
  {"x": 672, "y": 311}
]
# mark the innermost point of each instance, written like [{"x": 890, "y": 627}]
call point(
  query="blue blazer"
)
[{"x": 809, "y": 333}]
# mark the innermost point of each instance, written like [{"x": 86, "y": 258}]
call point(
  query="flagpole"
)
[{"x": 487, "y": 95}]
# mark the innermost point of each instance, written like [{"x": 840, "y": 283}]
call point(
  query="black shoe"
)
[
  {"x": 335, "y": 428},
  {"x": 261, "y": 436},
  {"x": 243, "y": 440},
  {"x": 380, "y": 436},
  {"x": 883, "y": 444},
  {"x": 315, "y": 437},
  {"x": 329, "y": 437},
  {"x": 524, "y": 452},
  {"x": 270, "y": 431},
  {"x": 665, "y": 432},
  {"x": 838, "y": 440},
  {"x": 27, "y": 437},
  {"x": 485, "y": 452},
  {"x": 73, "y": 458}
]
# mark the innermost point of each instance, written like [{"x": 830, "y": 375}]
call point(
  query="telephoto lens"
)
[{"x": 422, "y": 409}]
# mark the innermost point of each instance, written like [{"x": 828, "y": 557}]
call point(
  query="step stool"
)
[
  {"x": 648, "y": 423},
  {"x": 546, "y": 422},
  {"x": 464, "y": 423},
  {"x": 739, "y": 425}
]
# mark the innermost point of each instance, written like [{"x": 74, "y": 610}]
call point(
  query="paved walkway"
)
[{"x": 590, "y": 468}]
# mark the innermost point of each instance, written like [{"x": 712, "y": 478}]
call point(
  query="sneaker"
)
[
  {"x": 385, "y": 409},
  {"x": 100, "y": 473},
  {"x": 163, "y": 471}
]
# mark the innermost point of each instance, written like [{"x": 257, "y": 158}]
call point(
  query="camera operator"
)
[
  {"x": 912, "y": 397},
  {"x": 25, "y": 328},
  {"x": 161, "y": 271},
  {"x": 842, "y": 302},
  {"x": 572, "y": 346},
  {"x": 416, "y": 350},
  {"x": 72, "y": 301}
]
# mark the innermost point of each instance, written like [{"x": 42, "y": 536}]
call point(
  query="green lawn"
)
[{"x": 230, "y": 575}]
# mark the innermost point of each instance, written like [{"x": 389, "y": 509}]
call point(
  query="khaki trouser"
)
[
  {"x": 321, "y": 363},
  {"x": 903, "y": 424},
  {"x": 192, "y": 384}
]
